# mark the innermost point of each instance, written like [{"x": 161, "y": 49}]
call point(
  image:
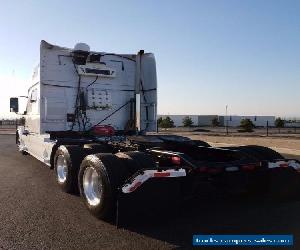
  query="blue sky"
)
[{"x": 209, "y": 53}]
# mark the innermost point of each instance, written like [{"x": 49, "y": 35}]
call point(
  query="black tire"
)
[
  {"x": 261, "y": 153},
  {"x": 135, "y": 161},
  {"x": 73, "y": 156},
  {"x": 112, "y": 172}
]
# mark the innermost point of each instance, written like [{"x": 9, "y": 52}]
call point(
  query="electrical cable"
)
[
  {"x": 111, "y": 114},
  {"x": 76, "y": 111},
  {"x": 92, "y": 83},
  {"x": 112, "y": 54}
]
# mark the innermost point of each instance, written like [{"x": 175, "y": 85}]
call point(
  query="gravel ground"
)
[
  {"x": 283, "y": 145},
  {"x": 35, "y": 214}
]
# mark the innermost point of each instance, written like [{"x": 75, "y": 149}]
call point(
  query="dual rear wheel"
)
[
  {"x": 98, "y": 177},
  {"x": 67, "y": 160}
]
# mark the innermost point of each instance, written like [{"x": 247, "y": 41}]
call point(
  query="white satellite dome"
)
[{"x": 82, "y": 47}]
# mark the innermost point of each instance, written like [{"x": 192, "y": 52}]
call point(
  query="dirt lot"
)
[{"x": 283, "y": 145}]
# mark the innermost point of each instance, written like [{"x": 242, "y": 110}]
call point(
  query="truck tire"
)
[
  {"x": 135, "y": 161},
  {"x": 70, "y": 157},
  {"x": 261, "y": 153},
  {"x": 100, "y": 177},
  {"x": 67, "y": 160}
]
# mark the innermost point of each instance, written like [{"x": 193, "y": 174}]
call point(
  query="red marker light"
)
[
  {"x": 248, "y": 167},
  {"x": 176, "y": 160},
  {"x": 284, "y": 165},
  {"x": 161, "y": 174}
]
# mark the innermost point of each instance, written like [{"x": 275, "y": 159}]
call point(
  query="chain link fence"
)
[
  {"x": 7, "y": 124},
  {"x": 258, "y": 131}
]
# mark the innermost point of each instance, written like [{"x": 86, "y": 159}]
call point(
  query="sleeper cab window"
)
[{"x": 33, "y": 97}]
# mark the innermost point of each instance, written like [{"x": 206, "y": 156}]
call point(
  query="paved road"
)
[{"x": 35, "y": 214}]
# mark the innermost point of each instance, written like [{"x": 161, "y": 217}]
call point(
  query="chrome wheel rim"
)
[
  {"x": 92, "y": 186},
  {"x": 62, "y": 169}
]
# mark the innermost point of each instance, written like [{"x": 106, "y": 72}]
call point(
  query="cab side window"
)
[{"x": 33, "y": 96}]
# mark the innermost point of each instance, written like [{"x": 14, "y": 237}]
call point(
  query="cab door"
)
[{"x": 32, "y": 137}]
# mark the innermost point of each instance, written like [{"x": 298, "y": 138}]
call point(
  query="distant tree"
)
[
  {"x": 159, "y": 121},
  {"x": 166, "y": 122},
  {"x": 247, "y": 125},
  {"x": 279, "y": 123},
  {"x": 215, "y": 122},
  {"x": 187, "y": 121}
]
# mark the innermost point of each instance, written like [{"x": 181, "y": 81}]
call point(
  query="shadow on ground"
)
[{"x": 212, "y": 215}]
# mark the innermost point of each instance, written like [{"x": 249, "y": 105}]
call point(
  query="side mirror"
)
[{"x": 14, "y": 104}]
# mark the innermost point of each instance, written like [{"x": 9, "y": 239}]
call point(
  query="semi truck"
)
[{"x": 92, "y": 117}]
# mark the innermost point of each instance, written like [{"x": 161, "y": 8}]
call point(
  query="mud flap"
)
[
  {"x": 243, "y": 183},
  {"x": 284, "y": 183},
  {"x": 156, "y": 196},
  {"x": 233, "y": 183}
]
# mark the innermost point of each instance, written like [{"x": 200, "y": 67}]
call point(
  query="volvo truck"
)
[{"x": 92, "y": 117}]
